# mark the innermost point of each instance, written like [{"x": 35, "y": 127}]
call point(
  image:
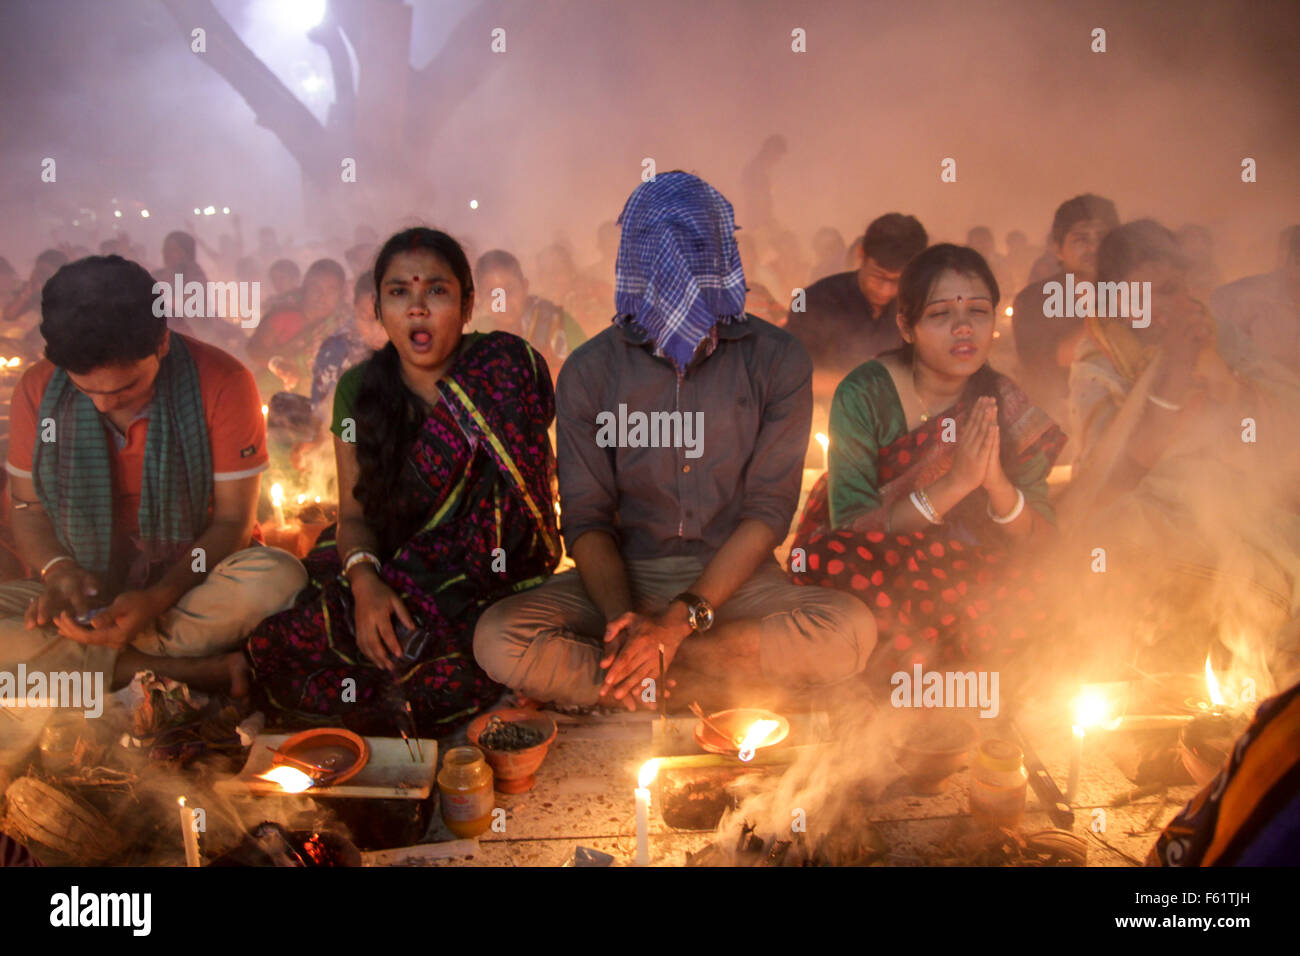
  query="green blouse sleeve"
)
[
  {"x": 1031, "y": 478},
  {"x": 865, "y": 416},
  {"x": 345, "y": 396}
]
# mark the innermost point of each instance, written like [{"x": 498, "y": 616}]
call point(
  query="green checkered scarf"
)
[{"x": 74, "y": 478}]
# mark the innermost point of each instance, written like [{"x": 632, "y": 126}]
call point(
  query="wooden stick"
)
[{"x": 325, "y": 771}]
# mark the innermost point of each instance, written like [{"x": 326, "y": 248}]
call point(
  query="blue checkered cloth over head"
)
[{"x": 678, "y": 272}]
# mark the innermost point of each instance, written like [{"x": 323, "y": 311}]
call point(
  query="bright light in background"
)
[
  {"x": 225, "y": 210},
  {"x": 298, "y": 16},
  {"x": 210, "y": 210},
  {"x": 198, "y": 211},
  {"x": 473, "y": 204},
  {"x": 144, "y": 213},
  {"x": 117, "y": 214},
  {"x": 313, "y": 83}
]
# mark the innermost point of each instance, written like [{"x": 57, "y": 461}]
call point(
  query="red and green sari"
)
[
  {"x": 945, "y": 595},
  {"x": 476, "y": 488}
]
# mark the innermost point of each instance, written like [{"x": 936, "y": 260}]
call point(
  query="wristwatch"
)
[{"x": 698, "y": 611}]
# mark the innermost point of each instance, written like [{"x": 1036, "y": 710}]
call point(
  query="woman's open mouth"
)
[{"x": 421, "y": 340}]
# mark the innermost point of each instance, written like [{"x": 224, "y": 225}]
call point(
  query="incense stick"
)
[{"x": 662, "y": 691}]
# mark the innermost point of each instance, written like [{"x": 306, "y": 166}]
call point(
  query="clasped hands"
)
[
  {"x": 977, "y": 462},
  {"x": 632, "y": 643}
]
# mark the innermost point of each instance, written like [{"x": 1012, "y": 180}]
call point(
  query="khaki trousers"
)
[
  {"x": 547, "y": 643},
  {"x": 212, "y": 618}
]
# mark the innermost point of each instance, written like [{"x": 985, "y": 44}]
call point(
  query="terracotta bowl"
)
[
  {"x": 514, "y": 770},
  {"x": 735, "y": 722},
  {"x": 339, "y": 750},
  {"x": 931, "y": 746}
]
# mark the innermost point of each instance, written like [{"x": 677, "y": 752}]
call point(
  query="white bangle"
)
[
  {"x": 921, "y": 502},
  {"x": 1164, "y": 403},
  {"x": 1011, "y": 515},
  {"x": 361, "y": 557},
  {"x": 52, "y": 562}
]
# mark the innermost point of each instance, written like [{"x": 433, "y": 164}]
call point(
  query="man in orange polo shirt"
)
[{"x": 134, "y": 461}]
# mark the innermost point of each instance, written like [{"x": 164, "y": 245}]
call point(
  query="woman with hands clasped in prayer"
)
[{"x": 938, "y": 472}]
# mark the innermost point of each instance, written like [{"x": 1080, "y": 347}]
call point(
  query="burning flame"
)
[
  {"x": 1010, "y": 312},
  {"x": 1212, "y": 684},
  {"x": 1090, "y": 709},
  {"x": 758, "y": 732},
  {"x": 289, "y": 779},
  {"x": 277, "y": 495},
  {"x": 823, "y": 441},
  {"x": 302, "y": 499},
  {"x": 265, "y": 411},
  {"x": 649, "y": 770}
]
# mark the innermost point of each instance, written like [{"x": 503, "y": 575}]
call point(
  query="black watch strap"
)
[{"x": 699, "y": 610}]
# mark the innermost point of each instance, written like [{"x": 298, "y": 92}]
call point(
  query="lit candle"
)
[
  {"x": 1076, "y": 757},
  {"x": 189, "y": 835},
  {"x": 825, "y": 442},
  {"x": 646, "y": 777},
  {"x": 277, "y": 501}
]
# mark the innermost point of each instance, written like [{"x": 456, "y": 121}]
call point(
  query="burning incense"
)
[
  {"x": 660, "y": 690},
  {"x": 414, "y": 732}
]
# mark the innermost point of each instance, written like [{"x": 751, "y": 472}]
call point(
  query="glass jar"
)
[
  {"x": 998, "y": 783},
  {"x": 465, "y": 792}
]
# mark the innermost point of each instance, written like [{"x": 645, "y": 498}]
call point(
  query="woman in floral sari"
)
[
  {"x": 445, "y": 474},
  {"x": 937, "y": 465}
]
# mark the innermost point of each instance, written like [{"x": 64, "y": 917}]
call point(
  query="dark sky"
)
[{"x": 551, "y": 142}]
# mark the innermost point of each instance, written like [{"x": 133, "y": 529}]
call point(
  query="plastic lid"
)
[{"x": 1000, "y": 755}]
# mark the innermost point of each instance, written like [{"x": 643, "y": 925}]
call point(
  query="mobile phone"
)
[{"x": 85, "y": 619}]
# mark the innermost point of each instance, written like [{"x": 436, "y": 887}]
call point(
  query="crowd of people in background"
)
[{"x": 439, "y": 370}]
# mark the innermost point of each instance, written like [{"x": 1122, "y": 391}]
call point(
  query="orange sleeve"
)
[
  {"x": 24, "y": 406},
  {"x": 233, "y": 409}
]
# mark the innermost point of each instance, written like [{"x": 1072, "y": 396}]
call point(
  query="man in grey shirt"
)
[{"x": 682, "y": 432}]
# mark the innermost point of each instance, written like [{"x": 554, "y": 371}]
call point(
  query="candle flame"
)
[
  {"x": 1212, "y": 684},
  {"x": 265, "y": 411},
  {"x": 1010, "y": 312},
  {"x": 302, "y": 499},
  {"x": 15, "y": 361},
  {"x": 289, "y": 779},
  {"x": 823, "y": 440},
  {"x": 758, "y": 732},
  {"x": 649, "y": 770},
  {"x": 277, "y": 494},
  {"x": 1090, "y": 709}
]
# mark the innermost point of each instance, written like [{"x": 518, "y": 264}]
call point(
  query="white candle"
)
[
  {"x": 188, "y": 834},
  {"x": 648, "y": 771},
  {"x": 1076, "y": 757},
  {"x": 277, "y": 502}
]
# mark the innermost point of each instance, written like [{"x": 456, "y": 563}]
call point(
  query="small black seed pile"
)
[{"x": 500, "y": 735}]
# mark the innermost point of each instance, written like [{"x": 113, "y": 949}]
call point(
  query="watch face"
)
[{"x": 702, "y": 617}]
